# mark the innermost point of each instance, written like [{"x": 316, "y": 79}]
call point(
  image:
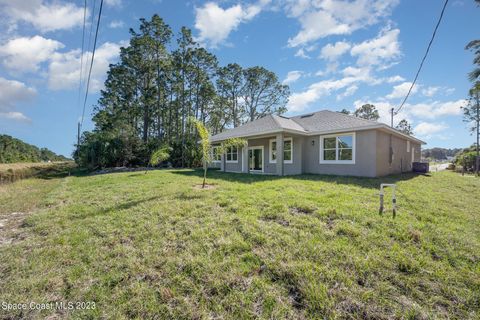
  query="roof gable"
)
[{"x": 316, "y": 122}]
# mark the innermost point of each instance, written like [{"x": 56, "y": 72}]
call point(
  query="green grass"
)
[{"x": 154, "y": 246}]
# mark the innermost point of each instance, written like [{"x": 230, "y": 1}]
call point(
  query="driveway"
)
[{"x": 439, "y": 167}]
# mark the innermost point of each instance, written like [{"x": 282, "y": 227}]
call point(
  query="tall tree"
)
[
  {"x": 405, "y": 127},
  {"x": 474, "y": 46},
  {"x": 367, "y": 111},
  {"x": 184, "y": 72},
  {"x": 157, "y": 85},
  {"x": 230, "y": 83},
  {"x": 471, "y": 115},
  {"x": 263, "y": 94}
]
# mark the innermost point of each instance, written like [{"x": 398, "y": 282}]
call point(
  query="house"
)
[{"x": 323, "y": 142}]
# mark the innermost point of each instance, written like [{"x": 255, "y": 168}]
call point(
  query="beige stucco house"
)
[{"x": 323, "y": 142}]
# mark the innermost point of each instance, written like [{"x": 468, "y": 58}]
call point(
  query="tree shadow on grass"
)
[
  {"x": 123, "y": 205},
  {"x": 256, "y": 178}
]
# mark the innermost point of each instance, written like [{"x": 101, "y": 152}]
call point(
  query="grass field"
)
[
  {"x": 155, "y": 246},
  {"x": 11, "y": 172}
]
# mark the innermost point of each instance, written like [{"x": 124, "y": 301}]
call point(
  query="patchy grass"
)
[
  {"x": 11, "y": 172},
  {"x": 155, "y": 246}
]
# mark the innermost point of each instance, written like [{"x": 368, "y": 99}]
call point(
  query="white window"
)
[
  {"x": 287, "y": 150},
  {"x": 408, "y": 145},
  {"x": 216, "y": 155},
  {"x": 232, "y": 154},
  {"x": 338, "y": 148}
]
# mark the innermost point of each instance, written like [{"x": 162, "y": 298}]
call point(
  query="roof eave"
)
[{"x": 213, "y": 140}]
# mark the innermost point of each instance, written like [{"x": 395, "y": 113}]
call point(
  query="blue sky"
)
[{"x": 334, "y": 54}]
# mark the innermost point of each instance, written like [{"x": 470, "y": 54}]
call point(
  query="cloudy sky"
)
[{"x": 334, "y": 54}]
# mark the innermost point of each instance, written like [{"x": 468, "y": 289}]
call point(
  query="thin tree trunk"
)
[
  {"x": 477, "y": 162},
  {"x": 204, "y": 173}
]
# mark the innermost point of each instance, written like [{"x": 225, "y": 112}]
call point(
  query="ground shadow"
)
[{"x": 255, "y": 178}]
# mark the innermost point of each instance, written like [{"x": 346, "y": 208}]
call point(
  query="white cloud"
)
[
  {"x": 410, "y": 112},
  {"x": 292, "y": 76},
  {"x": 43, "y": 16},
  {"x": 331, "y": 68},
  {"x": 15, "y": 115},
  {"x": 379, "y": 51},
  {"x": 114, "y": 3},
  {"x": 25, "y": 54},
  {"x": 64, "y": 68},
  {"x": 384, "y": 110},
  {"x": 436, "y": 109},
  {"x": 430, "y": 91},
  {"x": 428, "y": 130},
  {"x": 115, "y": 24},
  {"x": 301, "y": 54},
  {"x": 394, "y": 79},
  {"x": 215, "y": 24},
  {"x": 352, "y": 77},
  {"x": 316, "y": 25},
  {"x": 401, "y": 90},
  {"x": 334, "y": 17},
  {"x": 348, "y": 92},
  {"x": 332, "y": 52},
  {"x": 301, "y": 100},
  {"x": 11, "y": 94}
]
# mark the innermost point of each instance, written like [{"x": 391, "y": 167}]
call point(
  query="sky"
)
[{"x": 334, "y": 54}]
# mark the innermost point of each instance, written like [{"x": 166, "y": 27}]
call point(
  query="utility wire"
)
[
  {"x": 81, "y": 56},
  {"x": 424, "y": 57},
  {"x": 91, "y": 63},
  {"x": 89, "y": 43}
]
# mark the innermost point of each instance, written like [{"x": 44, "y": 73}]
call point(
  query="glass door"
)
[{"x": 255, "y": 159}]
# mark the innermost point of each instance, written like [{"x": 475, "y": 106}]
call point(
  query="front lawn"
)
[{"x": 154, "y": 246}]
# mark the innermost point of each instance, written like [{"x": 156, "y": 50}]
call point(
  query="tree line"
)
[
  {"x": 159, "y": 83},
  {"x": 471, "y": 111},
  {"x": 15, "y": 150}
]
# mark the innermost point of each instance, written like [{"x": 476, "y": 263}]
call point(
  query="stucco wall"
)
[
  {"x": 402, "y": 158},
  {"x": 371, "y": 156},
  {"x": 268, "y": 167},
  {"x": 234, "y": 166},
  {"x": 365, "y": 143}
]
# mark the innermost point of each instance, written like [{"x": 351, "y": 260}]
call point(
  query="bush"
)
[{"x": 466, "y": 159}]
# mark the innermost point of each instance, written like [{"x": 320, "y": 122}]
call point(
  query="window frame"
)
[
  {"x": 231, "y": 153},
  {"x": 214, "y": 148},
  {"x": 270, "y": 149},
  {"x": 336, "y": 136},
  {"x": 408, "y": 145}
]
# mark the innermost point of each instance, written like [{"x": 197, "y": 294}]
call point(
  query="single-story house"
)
[{"x": 323, "y": 142}]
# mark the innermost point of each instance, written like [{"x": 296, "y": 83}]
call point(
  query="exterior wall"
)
[
  {"x": 372, "y": 149},
  {"x": 289, "y": 168},
  {"x": 402, "y": 158},
  {"x": 296, "y": 167},
  {"x": 365, "y": 160},
  {"x": 268, "y": 167},
  {"x": 215, "y": 164},
  {"x": 234, "y": 166}
]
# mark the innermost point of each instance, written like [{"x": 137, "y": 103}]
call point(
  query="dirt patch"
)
[
  {"x": 302, "y": 210},
  {"x": 281, "y": 221},
  {"x": 207, "y": 186},
  {"x": 11, "y": 227}
]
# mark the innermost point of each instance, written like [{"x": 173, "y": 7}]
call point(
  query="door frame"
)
[{"x": 263, "y": 159}]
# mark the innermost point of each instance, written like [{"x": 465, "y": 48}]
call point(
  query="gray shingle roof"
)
[
  {"x": 326, "y": 120},
  {"x": 316, "y": 122},
  {"x": 267, "y": 124}
]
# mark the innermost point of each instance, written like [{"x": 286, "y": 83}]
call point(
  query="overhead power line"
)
[
  {"x": 91, "y": 63},
  {"x": 423, "y": 60}
]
